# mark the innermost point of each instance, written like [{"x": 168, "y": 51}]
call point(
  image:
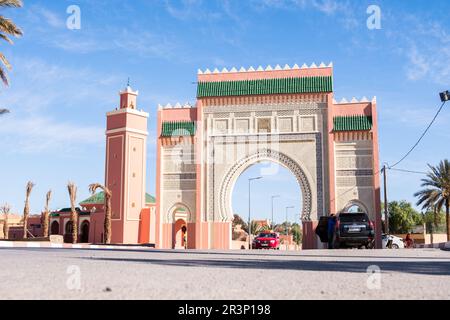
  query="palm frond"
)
[
  {"x": 11, "y": 3},
  {"x": 48, "y": 197},
  {"x": 8, "y": 26},
  {"x": 3, "y": 76},
  {"x": 6, "y": 38},
  {"x": 5, "y": 208},
  {"x": 30, "y": 186},
  {"x": 5, "y": 61}
]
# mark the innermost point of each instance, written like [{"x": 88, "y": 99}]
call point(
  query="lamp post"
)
[
  {"x": 445, "y": 96},
  {"x": 287, "y": 230},
  {"x": 273, "y": 197},
  {"x": 249, "y": 211}
]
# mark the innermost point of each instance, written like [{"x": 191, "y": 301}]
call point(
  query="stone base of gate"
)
[
  {"x": 220, "y": 235},
  {"x": 309, "y": 235}
]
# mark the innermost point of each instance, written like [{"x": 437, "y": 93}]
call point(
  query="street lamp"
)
[
  {"x": 249, "y": 211},
  {"x": 445, "y": 96},
  {"x": 287, "y": 230},
  {"x": 273, "y": 197}
]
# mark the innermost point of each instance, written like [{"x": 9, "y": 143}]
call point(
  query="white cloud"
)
[
  {"x": 328, "y": 7},
  {"x": 190, "y": 9},
  {"x": 40, "y": 134},
  {"x": 425, "y": 45},
  {"x": 418, "y": 67},
  {"x": 51, "y": 18},
  {"x": 46, "y": 91},
  {"x": 39, "y": 17},
  {"x": 146, "y": 44}
]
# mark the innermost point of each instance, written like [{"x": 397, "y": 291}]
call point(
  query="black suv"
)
[{"x": 351, "y": 230}]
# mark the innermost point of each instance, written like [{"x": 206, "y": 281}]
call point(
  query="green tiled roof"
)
[
  {"x": 353, "y": 123},
  {"x": 265, "y": 86},
  {"x": 99, "y": 198},
  {"x": 149, "y": 198},
  {"x": 178, "y": 128}
]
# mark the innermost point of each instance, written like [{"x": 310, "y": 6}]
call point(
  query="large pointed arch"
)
[{"x": 259, "y": 156}]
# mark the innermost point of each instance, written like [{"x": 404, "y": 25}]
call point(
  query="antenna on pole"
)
[{"x": 128, "y": 83}]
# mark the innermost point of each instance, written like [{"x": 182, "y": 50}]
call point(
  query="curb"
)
[
  {"x": 442, "y": 246},
  {"x": 48, "y": 245}
]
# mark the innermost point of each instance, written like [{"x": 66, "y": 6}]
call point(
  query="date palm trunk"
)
[
  {"x": 73, "y": 212},
  {"x": 46, "y": 217},
  {"x": 108, "y": 227},
  {"x": 26, "y": 210},
  {"x": 6, "y": 227},
  {"x": 447, "y": 217}
]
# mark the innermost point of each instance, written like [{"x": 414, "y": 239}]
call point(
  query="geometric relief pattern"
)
[{"x": 240, "y": 166}]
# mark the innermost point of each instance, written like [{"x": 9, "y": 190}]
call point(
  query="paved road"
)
[{"x": 153, "y": 274}]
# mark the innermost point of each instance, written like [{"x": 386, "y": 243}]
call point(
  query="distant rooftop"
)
[{"x": 99, "y": 198}]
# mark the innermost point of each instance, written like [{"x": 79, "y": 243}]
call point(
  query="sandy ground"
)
[{"x": 153, "y": 274}]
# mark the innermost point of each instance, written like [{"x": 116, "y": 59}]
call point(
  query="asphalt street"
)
[{"x": 157, "y": 274}]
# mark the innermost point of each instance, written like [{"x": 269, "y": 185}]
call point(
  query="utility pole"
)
[
  {"x": 271, "y": 222},
  {"x": 386, "y": 204},
  {"x": 249, "y": 211}
]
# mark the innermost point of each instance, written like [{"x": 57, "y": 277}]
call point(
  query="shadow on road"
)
[{"x": 415, "y": 267}]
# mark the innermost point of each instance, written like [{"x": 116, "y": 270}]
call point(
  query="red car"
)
[{"x": 267, "y": 240}]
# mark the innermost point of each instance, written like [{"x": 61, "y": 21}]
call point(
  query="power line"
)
[
  {"x": 408, "y": 171},
  {"x": 421, "y": 137}
]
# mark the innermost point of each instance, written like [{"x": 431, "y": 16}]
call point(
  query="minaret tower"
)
[{"x": 126, "y": 141}]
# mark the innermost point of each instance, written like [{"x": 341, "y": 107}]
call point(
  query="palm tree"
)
[
  {"x": 257, "y": 228},
  {"x": 436, "y": 190},
  {"x": 26, "y": 210},
  {"x": 5, "y": 209},
  {"x": 8, "y": 28},
  {"x": 107, "y": 226},
  {"x": 72, "y": 188},
  {"x": 46, "y": 216}
]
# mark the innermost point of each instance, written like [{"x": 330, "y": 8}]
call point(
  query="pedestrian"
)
[
  {"x": 409, "y": 241},
  {"x": 331, "y": 230}
]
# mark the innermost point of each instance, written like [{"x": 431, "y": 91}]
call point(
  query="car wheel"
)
[{"x": 395, "y": 246}]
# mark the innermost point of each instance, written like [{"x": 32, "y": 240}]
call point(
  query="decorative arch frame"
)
[
  {"x": 355, "y": 203},
  {"x": 271, "y": 156},
  {"x": 170, "y": 216}
]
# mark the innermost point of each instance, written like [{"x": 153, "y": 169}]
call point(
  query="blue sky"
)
[{"x": 64, "y": 81}]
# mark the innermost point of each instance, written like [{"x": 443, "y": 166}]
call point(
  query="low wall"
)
[
  {"x": 421, "y": 238},
  {"x": 443, "y": 246}
]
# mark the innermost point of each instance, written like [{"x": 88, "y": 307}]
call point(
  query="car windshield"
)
[
  {"x": 267, "y": 235},
  {"x": 353, "y": 217}
]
